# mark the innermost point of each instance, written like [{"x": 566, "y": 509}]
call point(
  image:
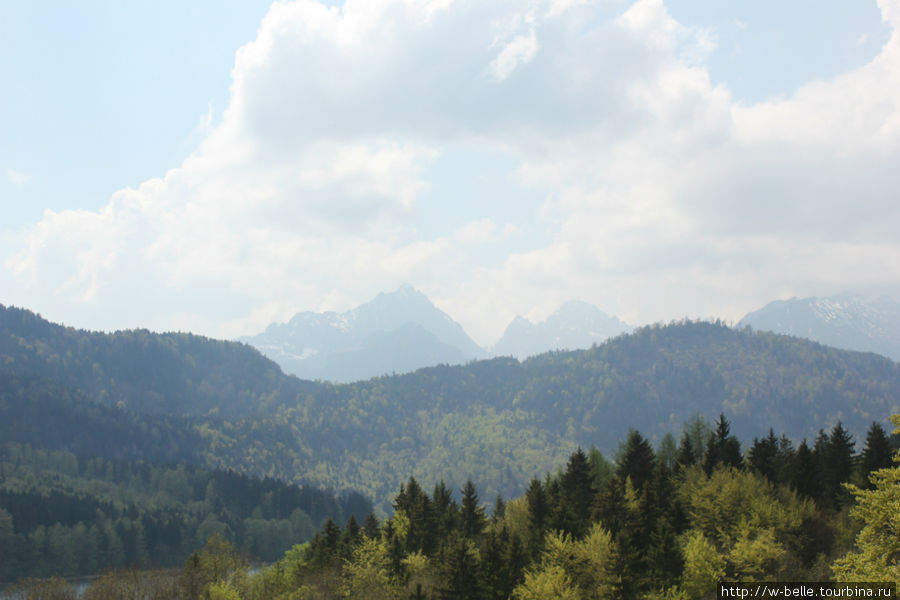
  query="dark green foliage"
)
[
  {"x": 462, "y": 577},
  {"x": 877, "y": 454},
  {"x": 763, "y": 455},
  {"x": 807, "y": 477},
  {"x": 538, "y": 516},
  {"x": 78, "y": 515},
  {"x": 171, "y": 373},
  {"x": 471, "y": 513},
  {"x": 637, "y": 461}
]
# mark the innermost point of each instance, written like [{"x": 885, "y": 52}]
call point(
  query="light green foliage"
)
[
  {"x": 703, "y": 566},
  {"x": 550, "y": 583},
  {"x": 367, "y": 574},
  {"x": 755, "y": 553},
  {"x": 222, "y": 590},
  {"x": 750, "y": 523},
  {"x": 585, "y": 565},
  {"x": 877, "y": 553},
  {"x": 724, "y": 504}
]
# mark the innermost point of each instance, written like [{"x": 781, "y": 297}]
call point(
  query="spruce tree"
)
[
  {"x": 472, "y": 519},
  {"x": 876, "y": 454}
]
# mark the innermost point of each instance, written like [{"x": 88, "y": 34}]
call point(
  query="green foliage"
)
[
  {"x": 876, "y": 556},
  {"x": 67, "y": 515}
]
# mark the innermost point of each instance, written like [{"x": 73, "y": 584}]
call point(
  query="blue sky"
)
[{"x": 196, "y": 166}]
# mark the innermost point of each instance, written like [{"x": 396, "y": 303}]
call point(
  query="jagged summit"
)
[
  {"x": 396, "y": 331},
  {"x": 574, "y": 325}
]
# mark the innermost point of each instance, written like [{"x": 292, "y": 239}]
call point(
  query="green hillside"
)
[{"x": 497, "y": 421}]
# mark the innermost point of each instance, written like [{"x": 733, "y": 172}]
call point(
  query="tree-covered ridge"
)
[
  {"x": 496, "y": 421},
  {"x": 67, "y": 514},
  {"x": 502, "y": 422},
  {"x": 156, "y": 373}
]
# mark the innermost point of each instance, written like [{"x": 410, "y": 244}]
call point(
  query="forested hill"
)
[
  {"x": 497, "y": 421},
  {"x": 503, "y": 421},
  {"x": 168, "y": 373}
]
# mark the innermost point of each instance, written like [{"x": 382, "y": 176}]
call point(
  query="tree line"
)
[{"x": 653, "y": 523}]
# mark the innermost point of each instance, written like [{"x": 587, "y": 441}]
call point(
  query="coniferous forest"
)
[{"x": 664, "y": 522}]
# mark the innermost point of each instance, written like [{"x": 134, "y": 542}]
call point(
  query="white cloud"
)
[
  {"x": 663, "y": 196},
  {"x": 17, "y": 178}
]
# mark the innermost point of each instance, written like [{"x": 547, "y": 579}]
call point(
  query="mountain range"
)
[
  {"x": 575, "y": 325},
  {"x": 401, "y": 331},
  {"x": 846, "y": 321}
]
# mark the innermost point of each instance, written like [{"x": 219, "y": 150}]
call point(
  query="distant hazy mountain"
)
[
  {"x": 397, "y": 332},
  {"x": 847, "y": 321},
  {"x": 575, "y": 325}
]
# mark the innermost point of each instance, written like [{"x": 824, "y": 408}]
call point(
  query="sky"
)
[{"x": 217, "y": 166}]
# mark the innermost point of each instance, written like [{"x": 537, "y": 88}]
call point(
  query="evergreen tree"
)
[
  {"x": 763, "y": 456},
  {"x": 876, "y": 454},
  {"x": 807, "y": 473},
  {"x": 461, "y": 575},
  {"x": 837, "y": 467},
  {"x": 538, "y": 516},
  {"x": 371, "y": 527},
  {"x": 685, "y": 457},
  {"x": 636, "y": 461},
  {"x": 576, "y": 495},
  {"x": 722, "y": 448},
  {"x": 472, "y": 519}
]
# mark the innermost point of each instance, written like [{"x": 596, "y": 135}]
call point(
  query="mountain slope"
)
[
  {"x": 395, "y": 332},
  {"x": 498, "y": 421},
  {"x": 573, "y": 326},
  {"x": 847, "y": 321}
]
